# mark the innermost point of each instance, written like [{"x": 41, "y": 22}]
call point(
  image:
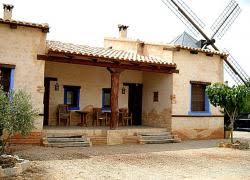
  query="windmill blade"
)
[
  {"x": 225, "y": 19},
  {"x": 237, "y": 66},
  {"x": 184, "y": 13},
  {"x": 180, "y": 9},
  {"x": 229, "y": 71}
]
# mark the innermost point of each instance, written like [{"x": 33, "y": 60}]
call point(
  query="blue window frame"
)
[
  {"x": 7, "y": 77},
  {"x": 106, "y": 97},
  {"x": 72, "y": 97},
  {"x": 199, "y": 102}
]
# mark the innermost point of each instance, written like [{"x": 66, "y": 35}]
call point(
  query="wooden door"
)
[
  {"x": 135, "y": 102},
  {"x": 46, "y": 98}
]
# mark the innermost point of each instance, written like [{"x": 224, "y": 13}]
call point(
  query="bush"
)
[{"x": 16, "y": 114}]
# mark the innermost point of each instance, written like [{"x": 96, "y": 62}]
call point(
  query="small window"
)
[
  {"x": 72, "y": 97},
  {"x": 6, "y": 78},
  {"x": 198, "y": 97},
  {"x": 156, "y": 97},
  {"x": 106, "y": 96}
]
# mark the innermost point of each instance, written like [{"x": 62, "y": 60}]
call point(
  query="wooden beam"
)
[
  {"x": 11, "y": 66},
  {"x": 200, "y": 82},
  {"x": 171, "y": 48},
  {"x": 193, "y": 52},
  {"x": 110, "y": 64},
  {"x": 115, "y": 75}
]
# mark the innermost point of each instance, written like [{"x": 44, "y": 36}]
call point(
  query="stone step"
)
[
  {"x": 156, "y": 137},
  {"x": 61, "y": 135},
  {"x": 69, "y": 141},
  {"x": 154, "y": 134},
  {"x": 68, "y": 144},
  {"x": 50, "y": 139},
  {"x": 157, "y": 141}
]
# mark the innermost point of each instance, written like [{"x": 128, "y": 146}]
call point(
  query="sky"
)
[{"x": 89, "y": 21}]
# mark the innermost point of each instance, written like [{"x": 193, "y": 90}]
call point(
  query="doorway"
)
[
  {"x": 46, "y": 98},
  {"x": 135, "y": 101}
]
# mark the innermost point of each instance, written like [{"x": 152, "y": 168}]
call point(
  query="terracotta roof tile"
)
[
  {"x": 44, "y": 27},
  {"x": 60, "y": 47},
  {"x": 203, "y": 50}
]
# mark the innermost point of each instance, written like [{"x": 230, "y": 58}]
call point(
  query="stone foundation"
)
[
  {"x": 198, "y": 127},
  {"x": 33, "y": 138},
  {"x": 200, "y": 134}
]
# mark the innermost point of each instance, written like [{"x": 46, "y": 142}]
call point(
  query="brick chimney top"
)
[
  {"x": 122, "y": 30},
  {"x": 7, "y": 11}
]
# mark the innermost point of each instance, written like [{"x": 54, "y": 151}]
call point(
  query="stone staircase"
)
[
  {"x": 66, "y": 141},
  {"x": 157, "y": 138}
]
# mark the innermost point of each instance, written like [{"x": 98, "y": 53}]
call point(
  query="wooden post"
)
[{"x": 115, "y": 75}]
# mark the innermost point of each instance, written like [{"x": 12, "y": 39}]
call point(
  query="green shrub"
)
[{"x": 17, "y": 114}]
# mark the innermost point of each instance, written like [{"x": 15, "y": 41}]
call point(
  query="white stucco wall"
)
[
  {"x": 195, "y": 67},
  {"x": 20, "y": 47}
]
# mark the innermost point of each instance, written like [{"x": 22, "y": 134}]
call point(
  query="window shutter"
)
[{"x": 198, "y": 97}]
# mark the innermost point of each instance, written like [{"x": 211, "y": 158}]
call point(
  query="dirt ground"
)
[{"x": 186, "y": 160}]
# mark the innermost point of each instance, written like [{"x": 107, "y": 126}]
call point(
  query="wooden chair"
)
[
  {"x": 99, "y": 117},
  {"x": 89, "y": 110},
  {"x": 64, "y": 114},
  {"x": 126, "y": 116}
]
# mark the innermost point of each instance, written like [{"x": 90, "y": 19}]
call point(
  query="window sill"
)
[{"x": 201, "y": 113}]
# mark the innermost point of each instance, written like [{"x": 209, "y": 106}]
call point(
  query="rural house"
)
[{"x": 161, "y": 85}]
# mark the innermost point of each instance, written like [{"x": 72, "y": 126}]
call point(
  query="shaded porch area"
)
[{"x": 90, "y": 73}]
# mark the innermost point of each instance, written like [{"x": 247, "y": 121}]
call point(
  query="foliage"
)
[
  {"x": 246, "y": 107},
  {"x": 16, "y": 114},
  {"x": 231, "y": 99}
]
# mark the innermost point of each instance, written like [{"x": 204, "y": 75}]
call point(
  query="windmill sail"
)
[
  {"x": 238, "y": 68},
  {"x": 173, "y": 6},
  {"x": 225, "y": 20},
  {"x": 221, "y": 25}
]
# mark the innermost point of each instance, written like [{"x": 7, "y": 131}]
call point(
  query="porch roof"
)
[{"x": 106, "y": 57}]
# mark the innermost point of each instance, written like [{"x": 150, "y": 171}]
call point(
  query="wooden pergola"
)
[{"x": 114, "y": 65}]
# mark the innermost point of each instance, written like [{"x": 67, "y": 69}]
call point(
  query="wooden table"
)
[{"x": 83, "y": 115}]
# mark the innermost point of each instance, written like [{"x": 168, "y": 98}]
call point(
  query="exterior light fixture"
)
[
  {"x": 56, "y": 86},
  {"x": 123, "y": 90}
]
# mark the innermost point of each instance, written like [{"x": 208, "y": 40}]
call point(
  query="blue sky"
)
[{"x": 89, "y": 21}]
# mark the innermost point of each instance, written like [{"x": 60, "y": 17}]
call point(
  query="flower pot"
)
[{"x": 227, "y": 134}]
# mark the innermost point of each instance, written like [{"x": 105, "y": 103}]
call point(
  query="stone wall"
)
[
  {"x": 20, "y": 47},
  {"x": 157, "y": 114},
  {"x": 198, "y": 127}
]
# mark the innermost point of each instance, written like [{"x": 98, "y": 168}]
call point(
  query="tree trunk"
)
[{"x": 232, "y": 129}]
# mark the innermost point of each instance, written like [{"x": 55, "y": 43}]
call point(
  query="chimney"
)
[
  {"x": 122, "y": 31},
  {"x": 7, "y": 11}
]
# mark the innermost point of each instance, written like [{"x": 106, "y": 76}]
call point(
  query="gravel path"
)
[{"x": 186, "y": 160}]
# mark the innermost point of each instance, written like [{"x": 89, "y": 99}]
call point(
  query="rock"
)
[
  {"x": 224, "y": 145},
  {"x": 240, "y": 145}
]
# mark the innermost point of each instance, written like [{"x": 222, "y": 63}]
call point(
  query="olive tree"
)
[
  {"x": 231, "y": 99},
  {"x": 16, "y": 114}
]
